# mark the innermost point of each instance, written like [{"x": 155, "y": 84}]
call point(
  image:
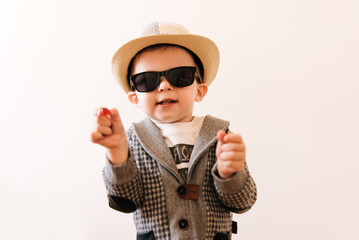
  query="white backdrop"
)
[{"x": 288, "y": 82}]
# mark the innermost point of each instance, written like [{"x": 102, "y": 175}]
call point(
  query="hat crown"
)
[
  {"x": 166, "y": 33},
  {"x": 162, "y": 28}
]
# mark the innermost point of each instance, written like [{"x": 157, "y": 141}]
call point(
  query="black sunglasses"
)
[{"x": 149, "y": 81}]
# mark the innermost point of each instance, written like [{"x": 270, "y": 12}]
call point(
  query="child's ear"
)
[
  {"x": 201, "y": 91},
  {"x": 132, "y": 97}
]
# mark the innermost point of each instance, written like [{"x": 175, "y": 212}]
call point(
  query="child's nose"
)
[{"x": 164, "y": 85}]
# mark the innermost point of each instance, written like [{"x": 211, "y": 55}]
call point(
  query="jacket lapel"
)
[
  {"x": 206, "y": 138},
  {"x": 154, "y": 144}
]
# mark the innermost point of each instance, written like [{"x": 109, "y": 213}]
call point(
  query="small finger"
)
[
  {"x": 117, "y": 125},
  {"x": 104, "y": 121},
  {"x": 233, "y": 137},
  {"x": 220, "y": 135},
  {"x": 240, "y": 147},
  {"x": 96, "y": 136},
  {"x": 104, "y": 130},
  {"x": 232, "y": 156},
  {"x": 229, "y": 167}
]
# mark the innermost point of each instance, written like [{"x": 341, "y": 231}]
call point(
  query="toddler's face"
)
[{"x": 166, "y": 104}]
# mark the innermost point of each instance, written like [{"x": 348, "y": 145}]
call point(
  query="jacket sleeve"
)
[
  {"x": 237, "y": 193},
  {"x": 123, "y": 185}
]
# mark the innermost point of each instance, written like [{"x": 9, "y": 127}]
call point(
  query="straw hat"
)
[{"x": 171, "y": 33}]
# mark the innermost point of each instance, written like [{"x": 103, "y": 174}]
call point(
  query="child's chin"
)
[
  {"x": 175, "y": 120},
  {"x": 166, "y": 120}
]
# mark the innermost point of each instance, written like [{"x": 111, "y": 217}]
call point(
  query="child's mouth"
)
[{"x": 166, "y": 102}]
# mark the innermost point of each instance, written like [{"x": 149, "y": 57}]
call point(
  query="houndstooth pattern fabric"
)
[
  {"x": 242, "y": 200},
  {"x": 147, "y": 191},
  {"x": 131, "y": 190},
  {"x": 152, "y": 214},
  {"x": 219, "y": 219}
]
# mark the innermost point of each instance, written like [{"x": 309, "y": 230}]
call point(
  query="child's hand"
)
[
  {"x": 110, "y": 133},
  {"x": 231, "y": 154}
]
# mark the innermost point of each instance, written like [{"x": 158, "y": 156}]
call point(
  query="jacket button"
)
[
  {"x": 183, "y": 223},
  {"x": 181, "y": 190}
]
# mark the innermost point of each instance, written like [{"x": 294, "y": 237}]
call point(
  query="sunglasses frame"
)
[{"x": 160, "y": 74}]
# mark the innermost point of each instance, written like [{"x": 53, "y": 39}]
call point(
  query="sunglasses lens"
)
[
  {"x": 146, "y": 82},
  {"x": 181, "y": 76},
  {"x": 178, "y": 77}
]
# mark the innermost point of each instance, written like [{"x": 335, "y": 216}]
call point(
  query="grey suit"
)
[{"x": 148, "y": 185}]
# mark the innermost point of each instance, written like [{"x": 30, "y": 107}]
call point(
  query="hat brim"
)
[{"x": 203, "y": 47}]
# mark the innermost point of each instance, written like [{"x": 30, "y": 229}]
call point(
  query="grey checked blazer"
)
[{"x": 147, "y": 184}]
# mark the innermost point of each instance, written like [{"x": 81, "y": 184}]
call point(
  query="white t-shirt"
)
[{"x": 180, "y": 138}]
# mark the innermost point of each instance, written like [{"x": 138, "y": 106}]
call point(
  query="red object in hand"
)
[{"x": 105, "y": 111}]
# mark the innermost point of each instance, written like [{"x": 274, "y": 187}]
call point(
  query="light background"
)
[{"x": 288, "y": 82}]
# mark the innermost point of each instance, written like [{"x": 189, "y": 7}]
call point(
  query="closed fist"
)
[{"x": 231, "y": 154}]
